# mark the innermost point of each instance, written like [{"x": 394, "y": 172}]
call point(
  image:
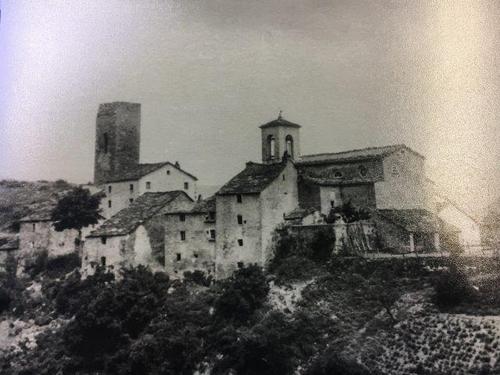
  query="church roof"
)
[
  {"x": 353, "y": 155},
  {"x": 253, "y": 179},
  {"x": 280, "y": 121},
  {"x": 140, "y": 211},
  {"x": 142, "y": 170}
]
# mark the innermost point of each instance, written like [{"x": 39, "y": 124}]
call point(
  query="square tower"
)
[
  {"x": 117, "y": 142},
  {"x": 280, "y": 136}
]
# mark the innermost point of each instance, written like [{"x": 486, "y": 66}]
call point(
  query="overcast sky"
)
[{"x": 208, "y": 73}]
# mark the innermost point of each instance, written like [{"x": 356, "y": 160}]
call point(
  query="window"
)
[
  {"x": 34, "y": 227},
  {"x": 363, "y": 171},
  {"x": 289, "y": 145},
  {"x": 183, "y": 235},
  {"x": 148, "y": 184},
  {"x": 240, "y": 219},
  {"x": 239, "y": 198},
  {"x": 240, "y": 242},
  {"x": 131, "y": 188},
  {"x": 106, "y": 143},
  {"x": 338, "y": 174},
  {"x": 109, "y": 189},
  {"x": 332, "y": 203},
  {"x": 131, "y": 200},
  {"x": 178, "y": 256},
  {"x": 109, "y": 204},
  {"x": 211, "y": 216},
  {"x": 186, "y": 185},
  {"x": 195, "y": 255},
  {"x": 240, "y": 264},
  {"x": 182, "y": 217},
  {"x": 271, "y": 144},
  {"x": 168, "y": 171},
  {"x": 103, "y": 240},
  {"x": 212, "y": 234},
  {"x": 103, "y": 261},
  {"x": 284, "y": 178}
]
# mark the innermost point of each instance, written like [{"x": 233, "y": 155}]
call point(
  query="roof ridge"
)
[{"x": 357, "y": 150}]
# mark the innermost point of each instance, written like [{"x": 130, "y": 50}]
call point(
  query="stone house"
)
[
  {"x": 117, "y": 170},
  {"x": 249, "y": 208},
  {"x": 190, "y": 236},
  {"x": 135, "y": 235}
]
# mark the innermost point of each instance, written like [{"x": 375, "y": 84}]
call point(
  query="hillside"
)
[{"x": 19, "y": 198}]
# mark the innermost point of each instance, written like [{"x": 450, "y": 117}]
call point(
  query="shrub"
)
[
  {"x": 4, "y": 300},
  {"x": 61, "y": 265},
  {"x": 331, "y": 363},
  {"x": 37, "y": 265},
  {"x": 198, "y": 277},
  {"x": 295, "y": 268},
  {"x": 452, "y": 288}
]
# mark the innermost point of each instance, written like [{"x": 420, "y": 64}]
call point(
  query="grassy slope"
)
[{"x": 18, "y": 197}]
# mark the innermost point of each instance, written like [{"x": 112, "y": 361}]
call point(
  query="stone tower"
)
[
  {"x": 118, "y": 135},
  {"x": 279, "y": 136}
]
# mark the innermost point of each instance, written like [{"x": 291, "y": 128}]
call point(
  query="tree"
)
[{"x": 76, "y": 210}]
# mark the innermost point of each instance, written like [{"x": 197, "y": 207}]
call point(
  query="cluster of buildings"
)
[{"x": 153, "y": 214}]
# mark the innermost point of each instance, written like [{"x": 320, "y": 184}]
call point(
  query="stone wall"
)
[
  {"x": 373, "y": 170},
  {"x": 168, "y": 178}
]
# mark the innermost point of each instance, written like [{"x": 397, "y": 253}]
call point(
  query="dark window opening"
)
[
  {"x": 131, "y": 200},
  {"x": 211, "y": 216},
  {"x": 363, "y": 171},
  {"x": 131, "y": 187},
  {"x": 195, "y": 255},
  {"x": 212, "y": 234},
  {"x": 240, "y": 242},
  {"x": 103, "y": 240},
  {"x": 332, "y": 203},
  {"x": 148, "y": 185},
  {"x": 109, "y": 204},
  {"x": 240, "y": 264},
  {"x": 34, "y": 227},
  {"x": 182, "y": 217},
  {"x": 103, "y": 261},
  {"x": 183, "y": 235},
  {"x": 109, "y": 189},
  {"x": 240, "y": 219},
  {"x": 178, "y": 256},
  {"x": 284, "y": 178},
  {"x": 239, "y": 198},
  {"x": 186, "y": 185},
  {"x": 168, "y": 171},
  {"x": 338, "y": 174},
  {"x": 106, "y": 143}
]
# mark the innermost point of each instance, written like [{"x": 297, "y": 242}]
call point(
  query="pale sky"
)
[{"x": 208, "y": 73}]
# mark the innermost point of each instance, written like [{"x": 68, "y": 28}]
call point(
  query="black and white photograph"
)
[{"x": 249, "y": 187}]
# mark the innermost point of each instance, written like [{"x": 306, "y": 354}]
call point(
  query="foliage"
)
[
  {"x": 198, "y": 277},
  {"x": 295, "y": 268},
  {"x": 243, "y": 293},
  {"x": 452, "y": 287},
  {"x": 331, "y": 363},
  {"x": 5, "y": 299},
  {"x": 38, "y": 264},
  {"x": 76, "y": 210}
]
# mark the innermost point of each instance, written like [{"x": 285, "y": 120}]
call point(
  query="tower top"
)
[{"x": 280, "y": 121}]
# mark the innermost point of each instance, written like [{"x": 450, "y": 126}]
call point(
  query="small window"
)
[
  {"x": 363, "y": 171},
  {"x": 332, "y": 203},
  {"x": 109, "y": 189},
  {"x": 168, "y": 171},
  {"x": 148, "y": 184},
  {"x": 195, "y": 255},
  {"x": 240, "y": 264},
  {"x": 103, "y": 240},
  {"x": 106, "y": 143},
  {"x": 212, "y": 234},
  {"x": 103, "y": 261},
  {"x": 211, "y": 215},
  {"x": 131, "y": 200},
  {"x": 183, "y": 235},
  {"x": 178, "y": 256},
  {"x": 182, "y": 217},
  {"x": 34, "y": 227},
  {"x": 109, "y": 204},
  {"x": 284, "y": 178},
  {"x": 239, "y": 198},
  {"x": 240, "y": 242},
  {"x": 338, "y": 174},
  {"x": 186, "y": 185},
  {"x": 131, "y": 188},
  {"x": 240, "y": 219}
]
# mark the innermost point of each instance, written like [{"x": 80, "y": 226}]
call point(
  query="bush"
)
[
  {"x": 4, "y": 300},
  {"x": 37, "y": 265},
  {"x": 198, "y": 277},
  {"x": 63, "y": 264},
  {"x": 295, "y": 268},
  {"x": 331, "y": 363},
  {"x": 452, "y": 288},
  {"x": 242, "y": 294}
]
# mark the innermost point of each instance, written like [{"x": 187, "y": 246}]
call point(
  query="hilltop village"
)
[{"x": 153, "y": 215}]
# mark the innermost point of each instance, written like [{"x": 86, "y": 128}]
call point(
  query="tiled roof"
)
[
  {"x": 41, "y": 211},
  {"x": 353, "y": 155},
  {"x": 253, "y": 179},
  {"x": 333, "y": 181},
  {"x": 9, "y": 243},
  {"x": 204, "y": 206},
  {"x": 299, "y": 213},
  {"x": 142, "y": 170},
  {"x": 280, "y": 121},
  {"x": 140, "y": 211},
  {"x": 413, "y": 220}
]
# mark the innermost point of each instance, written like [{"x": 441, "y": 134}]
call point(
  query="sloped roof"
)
[
  {"x": 280, "y": 121},
  {"x": 412, "y": 220},
  {"x": 9, "y": 243},
  {"x": 140, "y": 211},
  {"x": 334, "y": 181},
  {"x": 253, "y": 179},
  {"x": 205, "y": 205},
  {"x": 353, "y": 155},
  {"x": 141, "y": 170},
  {"x": 299, "y": 213}
]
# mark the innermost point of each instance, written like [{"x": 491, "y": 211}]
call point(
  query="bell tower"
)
[
  {"x": 118, "y": 136},
  {"x": 280, "y": 136}
]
